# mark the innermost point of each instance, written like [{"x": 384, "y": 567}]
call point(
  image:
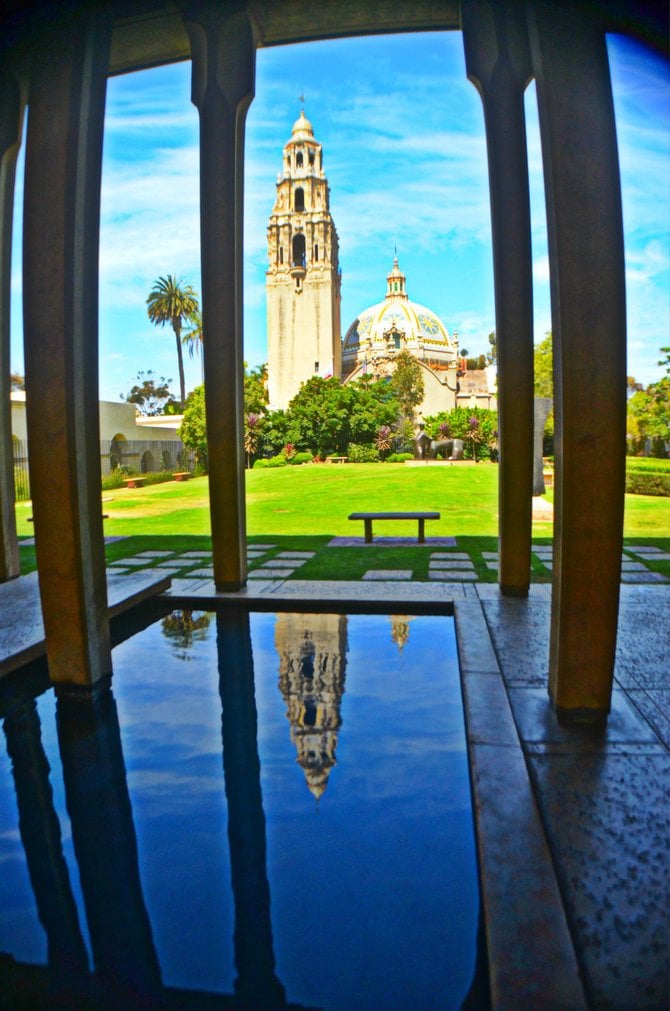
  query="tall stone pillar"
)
[
  {"x": 498, "y": 63},
  {"x": 60, "y": 300},
  {"x": 586, "y": 258},
  {"x": 224, "y": 59},
  {"x": 11, "y": 115}
]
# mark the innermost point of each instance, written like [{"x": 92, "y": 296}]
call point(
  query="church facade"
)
[{"x": 303, "y": 286}]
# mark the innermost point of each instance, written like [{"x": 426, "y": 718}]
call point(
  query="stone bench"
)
[
  {"x": 182, "y": 475},
  {"x": 134, "y": 482},
  {"x": 336, "y": 459},
  {"x": 369, "y": 517}
]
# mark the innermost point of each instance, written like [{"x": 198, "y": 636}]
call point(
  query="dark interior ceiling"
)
[{"x": 150, "y": 32}]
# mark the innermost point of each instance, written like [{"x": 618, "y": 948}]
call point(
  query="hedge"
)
[{"x": 642, "y": 482}]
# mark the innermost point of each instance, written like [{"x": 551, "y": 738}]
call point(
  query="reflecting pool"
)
[{"x": 270, "y": 808}]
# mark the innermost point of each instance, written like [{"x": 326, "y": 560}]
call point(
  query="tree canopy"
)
[
  {"x": 151, "y": 395},
  {"x": 544, "y": 365},
  {"x": 407, "y": 382},
  {"x": 171, "y": 301}
]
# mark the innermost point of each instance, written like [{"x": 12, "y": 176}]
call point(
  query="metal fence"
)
[
  {"x": 142, "y": 455},
  {"x": 21, "y": 472}
]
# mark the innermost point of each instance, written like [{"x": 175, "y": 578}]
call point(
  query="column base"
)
[
  {"x": 514, "y": 591},
  {"x": 232, "y": 587}
]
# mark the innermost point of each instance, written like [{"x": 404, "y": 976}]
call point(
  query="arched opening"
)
[
  {"x": 299, "y": 250},
  {"x": 299, "y": 199},
  {"x": 166, "y": 460},
  {"x": 316, "y": 252},
  {"x": 116, "y": 448},
  {"x": 298, "y": 159},
  {"x": 147, "y": 462}
]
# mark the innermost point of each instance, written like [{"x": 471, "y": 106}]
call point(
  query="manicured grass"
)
[{"x": 304, "y": 507}]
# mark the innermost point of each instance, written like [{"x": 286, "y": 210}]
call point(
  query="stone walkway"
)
[{"x": 447, "y": 562}]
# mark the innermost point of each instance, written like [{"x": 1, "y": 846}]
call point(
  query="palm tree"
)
[
  {"x": 171, "y": 301},
  {"x": 192, "y": 339}
]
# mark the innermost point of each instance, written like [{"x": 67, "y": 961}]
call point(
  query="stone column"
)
[
  {"x": 60, "y": 299},
  {"x": 586, "y": 258},
  {"x": 498, "y": 63},
  {"x": 224, "y": 54},
  {"x": 256, "y": 985},
  {"x": 11, "y": 116}
]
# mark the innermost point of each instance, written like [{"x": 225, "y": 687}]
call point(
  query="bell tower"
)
[{"x": 303, "y": 277}]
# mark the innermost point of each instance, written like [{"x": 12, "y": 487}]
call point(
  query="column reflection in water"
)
[
  {"x": 105, "y": 844},
  {"x": 41, "y": 837},
  {"x": 256, "y": 985}
]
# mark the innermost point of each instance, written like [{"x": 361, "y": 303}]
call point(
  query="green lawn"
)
[{"x": 303, "y": 507}]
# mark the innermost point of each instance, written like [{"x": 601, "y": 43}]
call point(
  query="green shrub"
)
[
  {"x": 362, "y": 453},
  {"x": 158, "y": 476},
  {"x": 272, "y": 461},
  {"x": 399, "y": 457},
  {"x": 643, "y": 463},
  {"x": 116, "y": 478},
  {"x": 300, "y": 458},
  {"x": 648, "y": 483}
]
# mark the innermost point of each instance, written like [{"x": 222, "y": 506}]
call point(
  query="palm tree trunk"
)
[{"x": 180, "y": 358}]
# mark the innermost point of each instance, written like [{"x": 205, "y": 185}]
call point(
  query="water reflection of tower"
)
[{"x": 312, "y": 666}]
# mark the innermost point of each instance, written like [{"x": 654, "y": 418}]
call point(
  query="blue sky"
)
[{"x": 405, "y": 156}]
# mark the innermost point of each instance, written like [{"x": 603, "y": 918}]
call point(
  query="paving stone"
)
[
  {"x": 644, "y": 549},
  {"x": 643, "y": 642},
  {"x": 296, "y": 554},
  {"x": 490, "y": 554},
  {"x": 174, "y": 566},
  {"x": 397, "y": 593},
  {"x": 455, "y": 576},
  {"x": 260, "y": 547},
  {"x": 536, "y": 721},
  {"x": 195, "y": 554},
  {"x": 379, "y": 574},
  {"x": 461, "y": 556},
  {"x": 643, "y": 577},
  {"x": 519, "y": 629},
  {"x": 270, "y": 573},
  {"x": 654, "y": 704},
  {"x": 154, "y": 554},
  {"x": 494, "y": 566},
  {"x": 277, "y": 563},
  {"x": 606, "y": 820},
  {"x": 438, "y": 564},
  {"x": 662, "y": 556},
  {"x": 630, "y": 566},
  {"x": 207, "y": 573}
]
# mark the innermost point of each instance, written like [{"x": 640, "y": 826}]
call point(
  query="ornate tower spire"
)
[
  {"x": 395, "y": 282},
  {"x": 303, "y": 277}
]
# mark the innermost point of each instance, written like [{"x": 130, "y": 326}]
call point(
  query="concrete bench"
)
[
  {"x": 134, "y": 482},
  {"x": 336, "y": 459},
  {"x": 182, "y": 475},
  {"x": 369, "y": 517}
]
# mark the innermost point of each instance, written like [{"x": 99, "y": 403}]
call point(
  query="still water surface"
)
[{"x": 276, "y": 806}]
